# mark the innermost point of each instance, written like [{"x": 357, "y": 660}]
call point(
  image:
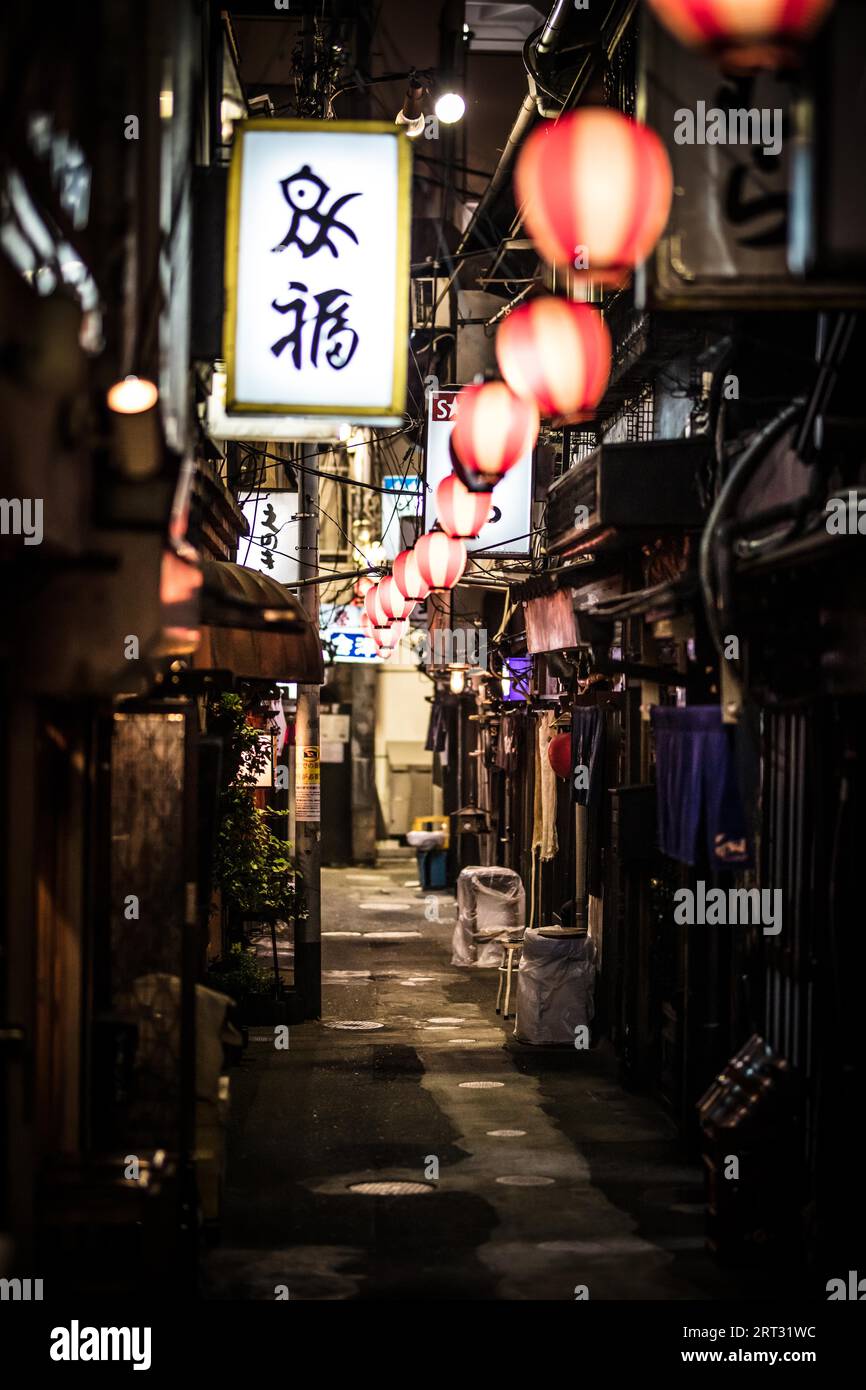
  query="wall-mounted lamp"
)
[
  {"x": 132, "y": 396},
  {"x": 411, "y": 114}
]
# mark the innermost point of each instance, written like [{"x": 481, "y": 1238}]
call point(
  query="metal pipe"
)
[
  {"x": 550, "y": 32},
  {"x": 528, "y": 110}
]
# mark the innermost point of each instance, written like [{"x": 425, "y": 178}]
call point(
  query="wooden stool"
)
[{"x": 510, "y": 951}]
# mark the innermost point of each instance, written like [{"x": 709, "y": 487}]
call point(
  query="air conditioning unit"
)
[{"x": 621, "y": 491}]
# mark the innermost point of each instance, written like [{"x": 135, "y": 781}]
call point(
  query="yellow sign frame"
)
[{"x": 397, "y": 403}]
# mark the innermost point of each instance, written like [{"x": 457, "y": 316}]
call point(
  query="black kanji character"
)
[{"x": 305, "y": 193}]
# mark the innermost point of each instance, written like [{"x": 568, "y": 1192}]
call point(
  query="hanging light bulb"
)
[
  {"x": 458, "y": 680},
  {"x": 441, "y": 560},
  {"x": 596, "y": 190},
  {"x": 407, "y": 577},
  {"x": 461, "y": 513},
  {"x": 557, "y": 353},
  {"x": 450, "y": 107},
  {"x": 132, "y": 396}
]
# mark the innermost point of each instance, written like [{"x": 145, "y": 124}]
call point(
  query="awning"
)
[{"x": 253, "y": 627}]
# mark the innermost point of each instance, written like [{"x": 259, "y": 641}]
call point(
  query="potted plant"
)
[{"x": 252, "y": 864}]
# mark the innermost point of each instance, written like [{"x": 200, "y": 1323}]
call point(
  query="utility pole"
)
[
  {"x": 308, "y": 806},
  {"x": 308, "y": 931}
]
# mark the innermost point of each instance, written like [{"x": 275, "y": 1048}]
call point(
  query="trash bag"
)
[
  {"x": 555, "y": 987},
  {"x": 491, "y": 908}
]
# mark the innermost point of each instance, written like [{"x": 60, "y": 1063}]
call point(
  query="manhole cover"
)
[
  {"x": 525, "y": 1180},
  {"x": 357, "y": 1025},
  {"x": 506, "y": 1133},
  {"x": 386, "y": 907},
  {"x": 479, "y": 1085},
  {"x": 457, "y": 1042},
  {"x": 341, "y": 933},
  {"x": 446, "y": 1022},
  {"x": 390, "y": 1189},
  {"x": 390, "y": 935}
]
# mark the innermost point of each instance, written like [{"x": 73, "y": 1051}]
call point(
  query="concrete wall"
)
[{"x": 402, "y": 716}]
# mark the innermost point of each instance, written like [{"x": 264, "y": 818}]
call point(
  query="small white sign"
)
[
  {"x": 507, "y": 531},
  {"x": 402, "y": 500},
  {"x": 272, "y": 545},
  {"x": 334, "y": 728},
  {"x": 317, "y": 263}
]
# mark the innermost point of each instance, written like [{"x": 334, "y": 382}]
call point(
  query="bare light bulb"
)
[
  {"x": 450, "y": 107},
  {"x": 458, "y": 681},
  {"x": 132, "y": 396}
]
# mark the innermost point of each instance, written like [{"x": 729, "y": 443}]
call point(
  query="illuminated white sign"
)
[
  {"x": 401, "y": 502},
  {"x": 340, "y": 630},
  {"x": 317, "y": 265},
  {"x": 272, "y": 545},
  {"x": 507, "y": 531}
]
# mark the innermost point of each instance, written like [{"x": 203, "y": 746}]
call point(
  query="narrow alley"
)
[
  {"x": 552, "y": 1179},
  {"x": 432, "y": 675}
]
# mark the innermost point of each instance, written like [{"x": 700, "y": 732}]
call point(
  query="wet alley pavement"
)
[{"x": 550, "y": 1174}]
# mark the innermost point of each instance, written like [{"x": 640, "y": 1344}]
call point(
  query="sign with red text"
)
[{"x": 507, "y": 531}]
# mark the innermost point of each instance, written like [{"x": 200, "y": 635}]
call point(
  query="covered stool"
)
[
  {"x": 555, "y": 987},
  {"x": 491, "y": 909}
]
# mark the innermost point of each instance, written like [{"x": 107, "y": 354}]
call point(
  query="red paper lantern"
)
[
  {"x": 461, "y": 513},
  {"x": 375, "y": 611},
  {"x": 559, "y": 754},
  {"x": 494, "y": 428},
  {"x": 441, "y": 560},
  {"x": 391, "y": 601},
  {"x": 472, "y": 481},
  {"x": 747, "y": 35},
  {"x": 557, "y": 353},
  {"x": 388, "y": 638},
  {"x": 363, "y": 585},
  {"x": 596, "y": 190},
  {"x": 407, "y": 577}
]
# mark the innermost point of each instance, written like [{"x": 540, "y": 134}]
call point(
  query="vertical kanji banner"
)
[{"x": 317, "y": 269}]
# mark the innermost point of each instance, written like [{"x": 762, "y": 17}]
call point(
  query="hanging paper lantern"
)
[
  {"x": 391, "y": 601},
  {"x": 494, "y": 429},
  {"x": 559, "y": 754},
  {"x": 596, "y": 189},
  {"x": 472, "y": 481},
  {"x": 375, "y": 611},
  {"x": 747, "y": 35},
  {"x": 441, "y": 560},
  {"x": 461, "y": 513},
  {"x": 363, "y": 585},
  {"x": 555, "y": 352},
  {"x": 388, "y": 638},
  {"x": 407, "y": 577}
]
